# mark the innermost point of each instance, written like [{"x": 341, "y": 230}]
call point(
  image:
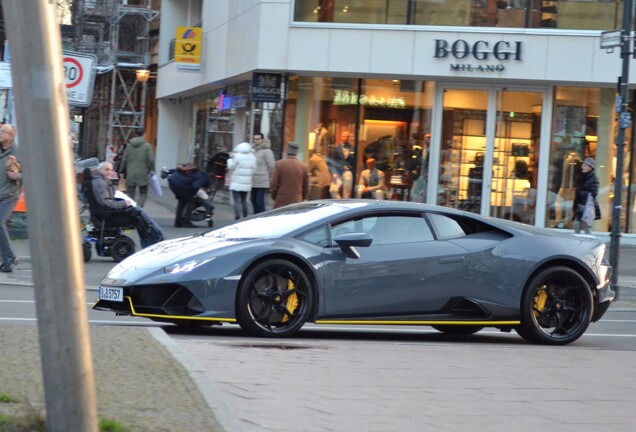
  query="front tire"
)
[
  {"x": 274, "y": 299},
  {"x": 556, "y": 307}
]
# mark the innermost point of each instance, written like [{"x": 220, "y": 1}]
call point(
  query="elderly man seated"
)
[
  {"x": 118, "y": 212},
  {"x": 371, "y": 184}
]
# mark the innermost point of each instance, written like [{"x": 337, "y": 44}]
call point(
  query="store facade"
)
[{"x": 490, "y": 120}]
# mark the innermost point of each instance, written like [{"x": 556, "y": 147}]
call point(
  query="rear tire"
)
[
  {"x": 556, "y": 307},
  {"x": 86, "y": 250}
]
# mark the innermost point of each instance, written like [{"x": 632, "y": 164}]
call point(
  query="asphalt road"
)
[{"x": 354, "y": 378}]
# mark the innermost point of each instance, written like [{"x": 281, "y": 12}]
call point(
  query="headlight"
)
[{"x": 184, "y": 267}]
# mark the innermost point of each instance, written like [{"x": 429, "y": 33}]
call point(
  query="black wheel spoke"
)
[
  {"x": 288, "y": 293},
  {"x": 265, "y": 313},
  {"x": 261, "y": 296},
  {"x": 270, "y": 282},
  {"x": 283, "y": 308},
  {"x": 571, "y": 309}
]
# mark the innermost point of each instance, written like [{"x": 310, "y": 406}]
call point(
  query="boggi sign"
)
[{"x": 479, "y": 50}]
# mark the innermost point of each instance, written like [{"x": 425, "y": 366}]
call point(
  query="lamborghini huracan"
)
[{"x": 369, "y": 262}]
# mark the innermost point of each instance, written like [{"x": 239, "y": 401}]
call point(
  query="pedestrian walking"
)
[
  {"x": 241, "y": 166},
  {"x": 262, "y": 173},
  {"x": 586, "y": 189},
  {"x": 10, "y": 185},
  {"x": 290, "y": 181},
  {"x": 320, "y": 177},
  {"x": 136, "y": 164}
]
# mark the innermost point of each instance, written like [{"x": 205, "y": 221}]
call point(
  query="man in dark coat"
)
[
  {"x": 587, "y": 186},
  {"x": 290, "y": 180}
]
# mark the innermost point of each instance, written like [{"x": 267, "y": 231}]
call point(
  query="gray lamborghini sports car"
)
[{"x": 369, "y": 262}]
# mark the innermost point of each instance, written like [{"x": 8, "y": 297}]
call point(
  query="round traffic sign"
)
[{"x": 73, "y": 72}]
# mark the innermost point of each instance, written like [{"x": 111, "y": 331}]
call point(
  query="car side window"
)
[
  {"x": 400, "y": 230},
  {"x": 318, "y": 237},
  {"x": 445, "y": 227},
  {"x": 388, "y": 229}
]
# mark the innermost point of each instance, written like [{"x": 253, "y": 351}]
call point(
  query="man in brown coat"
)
[{"x": 290, "y": 180}]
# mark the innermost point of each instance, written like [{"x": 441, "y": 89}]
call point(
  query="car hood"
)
[{"x": 171, "y": 251}]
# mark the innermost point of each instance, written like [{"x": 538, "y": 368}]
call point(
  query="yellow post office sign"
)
[{"x": 187, "y": 49}]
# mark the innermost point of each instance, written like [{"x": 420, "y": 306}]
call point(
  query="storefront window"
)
[
  {"x": 268, "y": 120},
  {"x": 395, "y": 131},
  {"x": 582, "y": 126},
  {"x": 490, "y": 136},
  {"x": 571, "y": 14},
  {"x": 214, "y": 130},
  {"x": 320, "y": 114},
  {"x": 347, "y": 121}
]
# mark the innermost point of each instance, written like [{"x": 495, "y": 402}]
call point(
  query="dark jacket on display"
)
[{"x": 588, "y": 184}]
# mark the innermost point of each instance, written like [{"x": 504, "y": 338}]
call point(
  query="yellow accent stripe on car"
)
[
  {"x": 410, "y": 322},
  {"x": 146, "y": 315}
]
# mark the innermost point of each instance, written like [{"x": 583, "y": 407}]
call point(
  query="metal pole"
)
[
  {"x": 624, "y": 121},
  {"x": 252, "y": 117},
  {"x": 53, "y": 217}
]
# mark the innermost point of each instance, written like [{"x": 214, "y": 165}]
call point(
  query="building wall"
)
[{"x": 243, "y": 36}]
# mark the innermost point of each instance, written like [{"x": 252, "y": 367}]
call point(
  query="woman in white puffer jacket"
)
[{"x": 241, "y": 167}]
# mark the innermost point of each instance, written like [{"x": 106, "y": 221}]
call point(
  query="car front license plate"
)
[{"x": 111, "y": 294}]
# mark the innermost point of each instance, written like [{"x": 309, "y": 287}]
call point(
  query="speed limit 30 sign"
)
[{"x": 79, "y": 73}]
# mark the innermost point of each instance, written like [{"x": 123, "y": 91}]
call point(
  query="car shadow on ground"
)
[{"x": 423, "y": 334}]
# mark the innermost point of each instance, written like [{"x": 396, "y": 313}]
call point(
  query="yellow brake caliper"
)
[
  {"x": 539, "y": 301},
  {"x": 292, "y": 300}
]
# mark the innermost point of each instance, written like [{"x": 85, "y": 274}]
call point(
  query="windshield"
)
[{"x": 276, "y": 223}]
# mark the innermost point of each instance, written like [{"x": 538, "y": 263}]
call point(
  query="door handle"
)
[{"x": 452, "y": 260}]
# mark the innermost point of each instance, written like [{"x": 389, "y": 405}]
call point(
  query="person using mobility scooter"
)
[{"x": 111, "y": 216}]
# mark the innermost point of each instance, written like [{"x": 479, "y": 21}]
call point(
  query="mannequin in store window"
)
[
  {"x": 341, "y": 162},
  {"x": 371, "y": 184}
]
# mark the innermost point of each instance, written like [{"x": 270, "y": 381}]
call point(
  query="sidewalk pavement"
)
[{"x": 143, "y": 379}]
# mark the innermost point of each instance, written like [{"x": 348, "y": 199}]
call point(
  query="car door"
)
[{"x": 404, "y": 270}]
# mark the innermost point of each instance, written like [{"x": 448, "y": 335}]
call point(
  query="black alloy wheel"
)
[
  {"x": 556, "y": 307},
  {"x": 121, "y": 248},
  {"x": 274, "y": 299}
]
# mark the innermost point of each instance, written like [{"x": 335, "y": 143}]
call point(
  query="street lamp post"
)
[{"x": 624, "y": 121}]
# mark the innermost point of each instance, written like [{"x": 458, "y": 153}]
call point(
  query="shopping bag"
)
[
  {"x": 155, "y": 186},
  {"x": 589, "y": 213}
]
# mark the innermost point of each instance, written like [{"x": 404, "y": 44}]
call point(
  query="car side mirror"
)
[{"x": 348, "y": 242}]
